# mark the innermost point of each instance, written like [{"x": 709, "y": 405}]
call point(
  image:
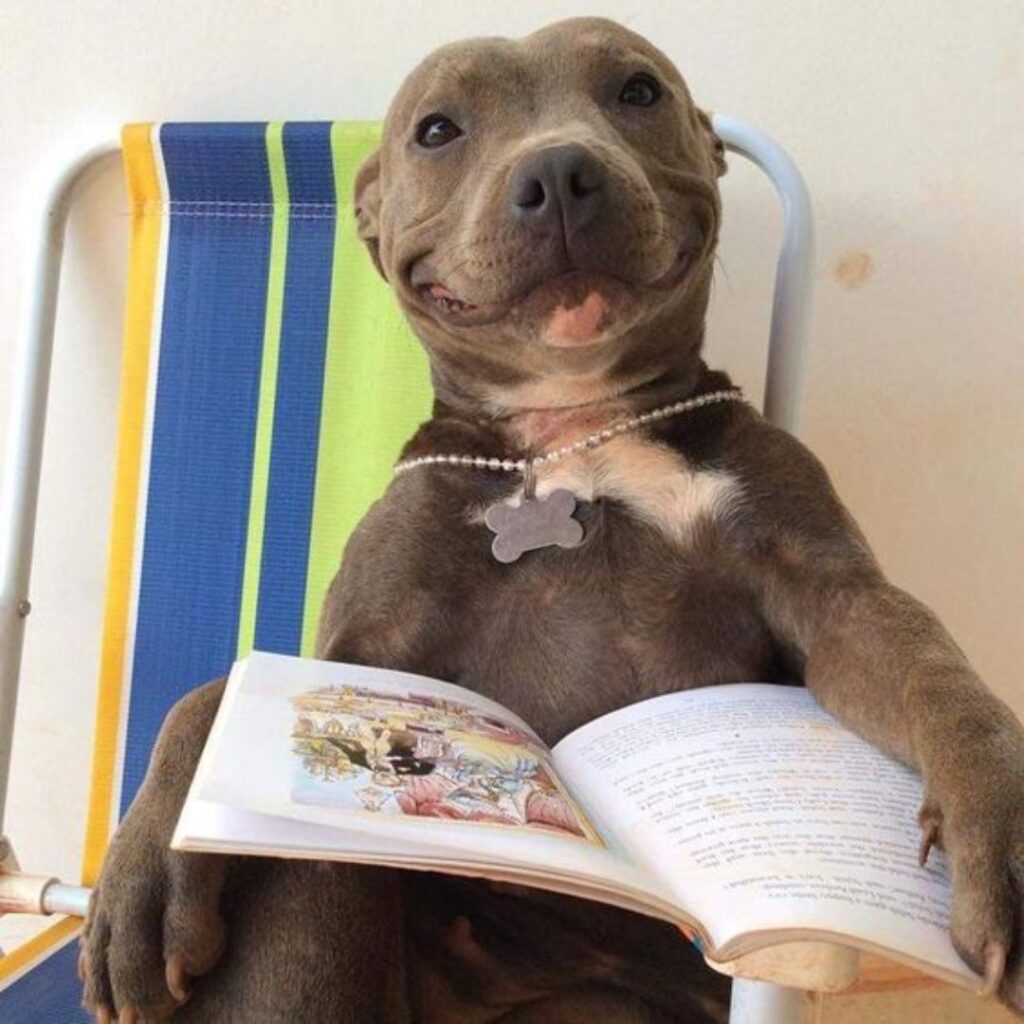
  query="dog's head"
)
[{"x": 546, "y": 211}]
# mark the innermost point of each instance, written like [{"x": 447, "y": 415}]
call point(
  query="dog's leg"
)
[
  {"x": 880, "y": 661},
  {"x": 308, "y": 941},
  {"x": 597, "y": 1003},
  {"x": 154, "y": 918}
]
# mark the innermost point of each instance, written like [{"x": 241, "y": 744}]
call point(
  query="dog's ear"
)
[
  {"x": 717, "y": 146},
  {"x": 366, "y": 199}
]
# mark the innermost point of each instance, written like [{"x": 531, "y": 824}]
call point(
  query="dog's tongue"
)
[{"x": 579, "y": 324}]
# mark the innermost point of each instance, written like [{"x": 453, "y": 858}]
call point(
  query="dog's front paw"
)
[
  {"x": 153, "y": 922},
  {"x": 983, "y": 836},
  {"x": 154, "y": 918}
]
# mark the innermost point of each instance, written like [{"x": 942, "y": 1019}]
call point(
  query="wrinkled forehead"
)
[{"x": 531, "y": 78}]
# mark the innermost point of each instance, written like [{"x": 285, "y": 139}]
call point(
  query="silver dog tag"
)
[{"x": 533, "y": 523}]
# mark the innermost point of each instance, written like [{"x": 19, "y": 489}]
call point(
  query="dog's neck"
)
[{"x": 529, "y": 428}]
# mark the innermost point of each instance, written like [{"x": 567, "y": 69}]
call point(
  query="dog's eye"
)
[
  {"x": 641, "y": 90},
  {"x": 436, "y": 130}
]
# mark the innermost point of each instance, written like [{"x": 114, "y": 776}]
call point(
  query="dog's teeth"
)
[{"x": 444, "y": 298}]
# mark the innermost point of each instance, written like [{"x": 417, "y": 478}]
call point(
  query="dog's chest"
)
[
  {"x": 653, "y": 483},
  {"x": 641, "y": 607}
]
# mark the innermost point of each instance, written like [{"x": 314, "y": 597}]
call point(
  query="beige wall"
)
[{"x": 905, "y": 117}]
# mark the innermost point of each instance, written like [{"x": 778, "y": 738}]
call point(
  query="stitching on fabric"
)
[
  {"x": 213, "y": 204},
  {"x": 250, "y": 205},
  {"x": 237, "y": 208},
  {"x": 216, "y": 215}
]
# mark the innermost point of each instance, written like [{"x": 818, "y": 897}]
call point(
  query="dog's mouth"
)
[
  {"x": 445, "y": 300},
  {"x": 678, "y": 271},
  {"x": 567, "y": 289}
]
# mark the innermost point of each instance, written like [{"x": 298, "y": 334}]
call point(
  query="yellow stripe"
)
[
  {"x": 146, "y": 200},
  {"x": 37, "y": 946}
]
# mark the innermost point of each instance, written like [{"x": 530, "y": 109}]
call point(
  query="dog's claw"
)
[
  {"x": 83, "y": 966},
  {"x": 177, "y": 977},
  {"x": 928, "y": 840},
  {"x": 995, "y": 964},
  {"x": 129, "y": 1015},
  {"x": 103, "y": 1015}
]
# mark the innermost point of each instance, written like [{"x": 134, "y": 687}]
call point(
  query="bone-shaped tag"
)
[{"x": 533, "y": 523}]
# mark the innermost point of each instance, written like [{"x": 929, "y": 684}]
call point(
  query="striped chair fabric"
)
[{"x": 268, "y": 384}]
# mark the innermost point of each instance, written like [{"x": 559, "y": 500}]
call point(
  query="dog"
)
[{"x": 546, "y": 212}]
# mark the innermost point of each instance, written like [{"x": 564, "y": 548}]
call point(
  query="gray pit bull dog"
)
[{"x": 546, "y": 212}]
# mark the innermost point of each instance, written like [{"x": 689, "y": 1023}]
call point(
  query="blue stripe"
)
[
  {"x": 204, "y": 421},
  {"x": 293, "y": 454},
  {"x": 50, "y": 993}
]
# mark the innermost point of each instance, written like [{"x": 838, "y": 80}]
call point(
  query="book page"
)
[
  {"x": 399, "y": 766},
  {"x": 763, "y": 813},
  {"x": 216, "y": 828}
]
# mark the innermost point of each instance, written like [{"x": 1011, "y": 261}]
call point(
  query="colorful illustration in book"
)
[{"x": 423, "y": 756}]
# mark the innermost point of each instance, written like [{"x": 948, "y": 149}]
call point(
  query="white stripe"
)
[
  {"x": 143, "y": 495},
  {"x": 32, "y": 964}
]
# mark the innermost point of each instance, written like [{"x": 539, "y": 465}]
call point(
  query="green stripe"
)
[
  {"x": 268, "y": 386},
  {"x": 376, "y": 385}
]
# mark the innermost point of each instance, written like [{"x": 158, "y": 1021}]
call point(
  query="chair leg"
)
[
  {"x": 760, "y": 1002},
  {"x": 20, "y": 465}
]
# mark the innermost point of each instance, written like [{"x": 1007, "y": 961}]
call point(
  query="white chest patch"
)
[{"x": 655, "y": 483}]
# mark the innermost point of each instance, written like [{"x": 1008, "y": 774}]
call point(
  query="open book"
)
[{"x": 744, "y": 814}]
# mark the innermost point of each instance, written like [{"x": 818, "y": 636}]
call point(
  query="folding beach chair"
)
[{"x": 268, "y": 384}]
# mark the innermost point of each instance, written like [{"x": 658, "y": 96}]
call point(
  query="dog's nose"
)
[{"x": 557, "y": 184}]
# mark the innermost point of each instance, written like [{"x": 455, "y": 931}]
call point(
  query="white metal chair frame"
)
[{"x": 752, "y": 1001}]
